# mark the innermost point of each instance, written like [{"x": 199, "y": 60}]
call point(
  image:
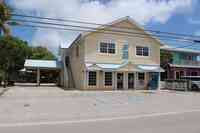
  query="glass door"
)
[
  {"x": 131, "y": 80},
  {"x": 120, "y": 79}
]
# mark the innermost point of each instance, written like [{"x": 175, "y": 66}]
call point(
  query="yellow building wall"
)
[
  {"x": 92, "y": 44},
  {"x": 89, "y": 54},
  {"x": 77, "y": 64}
]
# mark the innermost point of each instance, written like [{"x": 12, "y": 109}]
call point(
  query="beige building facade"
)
[{"x": 117, "y": 56}]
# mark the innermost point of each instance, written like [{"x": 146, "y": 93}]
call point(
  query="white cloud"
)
[{"x": 142, "y": 11}]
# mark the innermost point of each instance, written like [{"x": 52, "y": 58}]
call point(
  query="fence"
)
[{"x": 182, "y": 85}]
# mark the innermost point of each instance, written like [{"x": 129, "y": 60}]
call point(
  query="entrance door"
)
[
  {"x": 131, "y": 78},
  {"x": 154, "y": 77},
  {"x": 120, "y": 78}
]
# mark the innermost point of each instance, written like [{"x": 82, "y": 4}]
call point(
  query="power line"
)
[
  {"x": 92, "y": 28},
  {"x": 107, "y": 25},
  {"x": 185, "y": 46},
  {"x": 81, "y": 30}
]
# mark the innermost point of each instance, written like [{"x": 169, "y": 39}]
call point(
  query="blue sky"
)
[{"x": 179, "y": 16}]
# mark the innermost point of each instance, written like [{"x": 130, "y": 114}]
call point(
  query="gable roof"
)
[
  {"x": 129, "y": 19},
  {"x": 185, "y": 50}
]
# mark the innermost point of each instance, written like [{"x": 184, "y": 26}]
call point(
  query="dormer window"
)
[{"x": 107, "y": 48}]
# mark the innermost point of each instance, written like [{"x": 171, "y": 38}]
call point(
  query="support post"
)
[
  {"x": 114, "y": 80},
  {"x": 38, "y": 76},
  {"x": 159, "y": 79}
]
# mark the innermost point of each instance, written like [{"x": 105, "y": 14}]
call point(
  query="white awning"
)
[
  {"x": 42, "y": 64},
  {"x": 118, "y": 67},
  {"x": 103, "y": 67},
  {"x": 150, "y": 68},
  {"x": 92, "y": 67}
]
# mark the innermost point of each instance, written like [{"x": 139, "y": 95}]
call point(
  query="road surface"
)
[{"x": 171, "y": 122}]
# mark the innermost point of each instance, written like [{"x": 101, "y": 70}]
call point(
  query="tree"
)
[
  {"x": 5, "y": 15},
  {"x": 13, "y": 53},
  {"x": 41, "y": 53},
  {"x": 165, "y": 57}
]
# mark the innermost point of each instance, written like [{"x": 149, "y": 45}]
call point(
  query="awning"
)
[
  {"x": 124, "y": 67},
  {"x": 103, "y": 67},
  {"x": 93, "y": 67},
  {"x": 151, "y": 68},
  {"x": 42, "y": 64}
]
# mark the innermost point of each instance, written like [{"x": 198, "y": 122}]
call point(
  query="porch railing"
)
[{"x": 188, "y": 62}]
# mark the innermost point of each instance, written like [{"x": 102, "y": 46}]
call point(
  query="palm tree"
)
[{"x": 5, "y": 15}]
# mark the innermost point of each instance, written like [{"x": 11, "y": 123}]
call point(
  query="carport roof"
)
[{"x": 43, "y": 64}]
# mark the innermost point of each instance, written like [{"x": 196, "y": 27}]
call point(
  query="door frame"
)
[
  {"x": 133, "y": 80},
  {"x": 123, "y": 74}
]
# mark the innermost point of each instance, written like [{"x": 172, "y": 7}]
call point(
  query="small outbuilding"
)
[{"x": 51, "y": 68}]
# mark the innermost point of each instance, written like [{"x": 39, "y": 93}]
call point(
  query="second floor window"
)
[
  {"x": 107, "y": 48},
  {"x": 142, "y": 51}
]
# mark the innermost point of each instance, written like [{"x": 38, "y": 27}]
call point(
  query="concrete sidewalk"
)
[{"x": 3, "y": 90}]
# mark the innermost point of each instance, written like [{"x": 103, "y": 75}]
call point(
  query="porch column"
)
[
  {"x": 85, "y": 79},
  {"x": 159, "y": 87},
  {"x": 38, "y": 76},
  {"x": 125, "y": 80},
  {"x": 114, "y": 81}
]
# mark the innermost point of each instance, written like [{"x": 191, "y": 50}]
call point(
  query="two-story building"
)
[
  {"x": 108, "y": 60},
  {"x": 184, "y": 62}
]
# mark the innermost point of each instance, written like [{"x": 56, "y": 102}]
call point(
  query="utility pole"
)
[{"x": 1, "y": 1}]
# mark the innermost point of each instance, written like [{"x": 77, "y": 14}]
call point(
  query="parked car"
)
[{"x": 194, "y": 82}]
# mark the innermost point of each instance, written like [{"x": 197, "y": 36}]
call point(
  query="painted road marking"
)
[{"x": 96, "y": 120}]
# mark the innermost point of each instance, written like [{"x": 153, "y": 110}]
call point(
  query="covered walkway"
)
[{"x": 47, "y": 68}]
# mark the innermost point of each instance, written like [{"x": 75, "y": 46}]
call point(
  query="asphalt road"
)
[{"x": 177, "y": 122}]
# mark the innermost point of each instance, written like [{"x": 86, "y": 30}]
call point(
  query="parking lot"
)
[{"x": 21, "y": 104}]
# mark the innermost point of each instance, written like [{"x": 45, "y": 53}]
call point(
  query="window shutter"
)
[
  {"x": 98, "y": 47},
  {"x": 125, "y": 51}
]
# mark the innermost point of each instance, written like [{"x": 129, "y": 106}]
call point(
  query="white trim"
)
[
  {"x": 107, "y": 86},
  {"x": 134, "y": 85},
  {"x": 151, "y": 36},
  {"x": 144, "y": 76},
  {"x": 141, "y": 56},
  {"x": 117, "y": 79},
  {"x": 107, "y": 41},
  {"x": 88, "y": 79}
]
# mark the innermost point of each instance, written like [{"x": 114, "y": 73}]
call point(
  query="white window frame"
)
[
  {"x": 106, "y": 41},
  {"x": 88, "y": 83},
  {"x": 105, "y": 80},
  {"x": 149, "y": 50},
  {"x": 141, "y": 73}
]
